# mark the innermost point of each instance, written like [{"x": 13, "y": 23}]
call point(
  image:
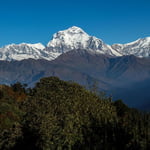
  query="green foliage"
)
[
  {"x": 134, "y": 126},
  {"x": 18, "y": 87},
  {"x": 10, "y": 118},
  {"x": 66, "y": 113},
  {"x": 60, "y": 115}
]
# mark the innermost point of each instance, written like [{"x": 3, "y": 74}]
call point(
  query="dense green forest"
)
[{"x": 60, "y": 115}]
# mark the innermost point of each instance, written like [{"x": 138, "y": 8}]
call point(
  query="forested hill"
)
[{"x": 60, "y": 115}]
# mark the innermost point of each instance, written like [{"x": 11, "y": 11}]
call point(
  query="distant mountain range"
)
[
  {"x": 126, "y": 77},
  {"x": 71, "y": 39},
  {"x": 121, "y": 70}
]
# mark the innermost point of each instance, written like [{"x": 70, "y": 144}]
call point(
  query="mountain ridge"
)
[
  {"x": 71, "y": 39},
  {"x": 114, "y": 75}
]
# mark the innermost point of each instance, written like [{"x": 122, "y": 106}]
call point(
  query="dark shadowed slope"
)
[{"x": 119, "y": 76}]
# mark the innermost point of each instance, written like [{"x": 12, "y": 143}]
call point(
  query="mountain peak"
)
[
  {"x": 69, "y": 39},
  {"x": 147, "y": 38},
  {"x": 74, "y": 27},
  {"x": 139, "y": 48},
  {"x": 23, "y": 51},
  {"x": 75, "y": 38},
  {"x": 75, "y": 30},
  {"x": 36, "y": 45}
]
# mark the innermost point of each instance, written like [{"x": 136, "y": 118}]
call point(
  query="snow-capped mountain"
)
[
  {"x": 75, "y": 38},
  {"x": 24, "y": 51},
  {"x": 139, "y": 48}
]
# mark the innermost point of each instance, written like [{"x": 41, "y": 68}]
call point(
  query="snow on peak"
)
[
  {"x": 37, "y": 46},
  {"x": 146, "y": 42},
  {"x": 139, "y": 48},
  {"x": 76, "y": 38},
  {"x": 73, "y": 38},
  {"x": 75, "y": 30},
  {"x": 24, "y": 51},
  {"x": 70, "y": 31}
]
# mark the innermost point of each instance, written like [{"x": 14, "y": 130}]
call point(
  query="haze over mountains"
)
[{"x": 122, "y": 70}]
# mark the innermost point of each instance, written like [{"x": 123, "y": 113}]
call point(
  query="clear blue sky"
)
[{"x": 114, "y": 21}]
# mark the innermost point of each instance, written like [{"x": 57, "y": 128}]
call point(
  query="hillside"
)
[
  {"x": 56, "y": 114},
  {"x": 114, "y": 75}
]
